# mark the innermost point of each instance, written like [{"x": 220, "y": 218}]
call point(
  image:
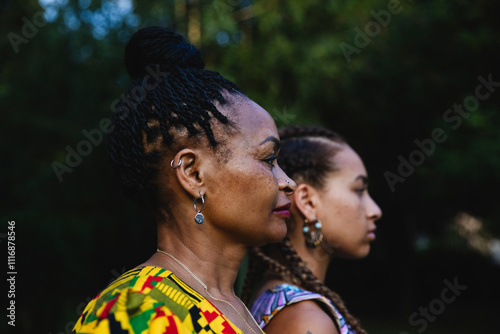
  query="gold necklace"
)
[{"x": 214, "y": 298}]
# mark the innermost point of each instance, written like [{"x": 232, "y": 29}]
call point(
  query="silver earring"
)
[
  {"x": 199, "y": 218},
  {"x": 172, "y": 164}
]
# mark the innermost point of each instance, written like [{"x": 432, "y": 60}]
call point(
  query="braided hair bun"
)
[
  {"x": 162, "y": 46},
  {"x": 170, "y": 103}
]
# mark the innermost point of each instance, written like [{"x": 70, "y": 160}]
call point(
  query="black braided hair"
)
[
  {"x": 170, "y": 102},
  {"x": 306, "y": 155}
]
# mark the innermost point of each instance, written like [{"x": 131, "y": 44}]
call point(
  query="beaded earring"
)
[{"x": 312, "y": 233}]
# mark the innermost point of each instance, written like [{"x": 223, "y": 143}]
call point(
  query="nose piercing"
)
[{"x": 287, "y": 181}]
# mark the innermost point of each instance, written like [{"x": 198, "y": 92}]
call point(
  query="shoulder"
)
[
  {"x": 301, "y": 318},
  {"x": 148, "y": 298},
  {"x": 133, "y": 290},
  {"x": 288, "y": 305}
]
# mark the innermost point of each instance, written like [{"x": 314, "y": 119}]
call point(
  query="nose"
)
[
  {"x": 373, "y": 211},
  {"x": 285, "y": 183}
]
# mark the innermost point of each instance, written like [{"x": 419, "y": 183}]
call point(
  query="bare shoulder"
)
[{"x": 304, "y": 317}]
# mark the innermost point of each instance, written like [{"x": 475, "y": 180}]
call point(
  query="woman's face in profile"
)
[
  {"x": 245, "y": 193},
  {"x": 347, "y": 211}
]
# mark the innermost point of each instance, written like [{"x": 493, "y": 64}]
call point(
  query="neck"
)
[
  {"x": 317, "y": 259},
  {"x": 213, "y": 261}
]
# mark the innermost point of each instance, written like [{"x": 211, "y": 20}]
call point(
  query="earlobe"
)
[
  {"x": 305, "y": 201},
  {"x": 188, "y": 170}
]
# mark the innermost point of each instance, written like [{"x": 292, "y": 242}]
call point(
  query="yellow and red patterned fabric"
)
[{"x": 152, "y": 300}]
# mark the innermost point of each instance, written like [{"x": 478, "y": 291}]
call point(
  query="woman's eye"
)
[
  {"x": 271, "y": 160},
  {"x": 361, "y": 191}
]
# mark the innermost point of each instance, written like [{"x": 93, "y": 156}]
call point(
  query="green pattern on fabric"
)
[
  {"x": 140, "y": 322},
  {"x": 149, "y": 294},
  {"x": 180, "y": 311}
]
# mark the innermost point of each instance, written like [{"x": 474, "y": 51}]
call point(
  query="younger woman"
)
[{"x": 332, "y": 215}]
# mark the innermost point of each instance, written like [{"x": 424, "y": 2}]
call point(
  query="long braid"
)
[
  {"x": 310, "y": 282},
  {"x": 170, "y": 102},
  {"x": 305, "y": 156},
  {"x": 258, "y": 259}
]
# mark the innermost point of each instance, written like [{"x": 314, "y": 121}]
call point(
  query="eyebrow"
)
[
  {"x": 363, "y": 179},
  {"x": 272, "y": 139}
]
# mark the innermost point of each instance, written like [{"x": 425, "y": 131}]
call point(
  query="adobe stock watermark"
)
[
  {"x": 68, "y": 328},
  {"x": 232, "y": 8},
  {"x": 362, "y": 39},
  {"x": 324, "y": 252},
  {"x": 28, "y": 31},
  {"x": 282, "y": 117},
  {"x": 454, "y": 118},
  {"x": 94, "y": 137},
  {"x": 436, "y": 307}
]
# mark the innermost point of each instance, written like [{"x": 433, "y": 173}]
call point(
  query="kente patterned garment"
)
[
  {"x": 275, "y": 299},
  {"x": 152, "y": 300}
]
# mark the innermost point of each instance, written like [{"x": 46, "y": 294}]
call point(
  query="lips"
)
[
  {"x": 371, "y": 234},
  {"x": 283, "y": 210}
]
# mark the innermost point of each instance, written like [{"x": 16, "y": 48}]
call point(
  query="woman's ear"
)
[
  {"x": 188, "y": 169},
  {"x": 305, "y": 198}
]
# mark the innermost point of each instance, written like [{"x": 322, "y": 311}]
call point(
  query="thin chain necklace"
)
[{"x": 214, "y": 298}]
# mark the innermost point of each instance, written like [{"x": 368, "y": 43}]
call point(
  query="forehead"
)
[
  {"x": 348, "y": 162},
  {"x": 253, "y": 122}
]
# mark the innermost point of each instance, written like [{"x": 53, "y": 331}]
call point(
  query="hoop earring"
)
[
  {"x": 172, "y": 164},
  {"x": 312, "y": 233},
  {"x": 199, "y": 218}
]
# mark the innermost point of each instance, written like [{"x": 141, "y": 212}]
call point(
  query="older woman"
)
[
  {"x": 332, "y": 215},
  {"x": 202, "y": 156}
]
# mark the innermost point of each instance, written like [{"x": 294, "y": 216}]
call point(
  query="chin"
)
[
  {"x": 362, "y": 253},
  {"x": 355, "y": 254},
  {"x": 276, "y": 233}
]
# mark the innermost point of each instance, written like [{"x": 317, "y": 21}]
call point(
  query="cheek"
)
[
  {"x": 249, "y": 189},
  {"x": 264, "y": 193},
  {"x": 342, "y": 215},
  {"x": 348, "y": 206},
  {"x": 338, "y": 206}
]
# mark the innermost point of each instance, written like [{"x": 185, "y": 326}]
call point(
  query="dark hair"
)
[
  {"x": 306, "y": 156},
  {"x": 170, "y": 101},
  {"x": 306, "y": 153}
]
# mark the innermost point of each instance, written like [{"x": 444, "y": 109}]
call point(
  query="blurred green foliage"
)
[{"x": 74, "y": 236}]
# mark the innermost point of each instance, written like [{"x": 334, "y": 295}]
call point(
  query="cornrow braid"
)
[
  {"x": 170, "y": 101},
  {"x": 306, "y": 153},
  {"x": 306, "y": 156}
]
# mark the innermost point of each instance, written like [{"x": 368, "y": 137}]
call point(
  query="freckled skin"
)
[
  {"x": 246, "y": 188},
  {"x": 242, "y": 186},
  {"x": 346, "y": 209}
]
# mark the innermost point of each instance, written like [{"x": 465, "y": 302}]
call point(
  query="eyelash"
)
[
  {"x": 270, "y": 160},
  {"x": 360, "y": 191}
]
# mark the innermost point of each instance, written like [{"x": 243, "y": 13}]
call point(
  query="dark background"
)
[{"x": 75, "y": 234}]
